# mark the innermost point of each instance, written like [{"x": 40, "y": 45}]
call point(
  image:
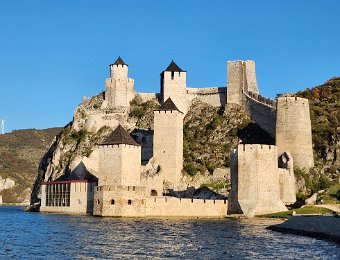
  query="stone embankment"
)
[{"x": 322, "y": 227}]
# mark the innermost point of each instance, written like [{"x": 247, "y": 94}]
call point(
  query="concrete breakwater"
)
[{"x": 322, "y": 227}]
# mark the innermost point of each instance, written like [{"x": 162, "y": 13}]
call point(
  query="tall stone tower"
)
[
  {"x": 173, "y": 85},
  {"x": 119, "y": 160},
  {"x": 168, "y": 142},
  {"x": 119, "y": 89},
  {"x": 241, "y": 77},
  {"x": 293, "y": 130},
  {"x": 255, "y": 187}
]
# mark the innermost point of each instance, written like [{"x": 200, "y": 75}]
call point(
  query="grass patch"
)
[
  {"x": 304, "y": 210},
  {"x": 216, "y": 186}
]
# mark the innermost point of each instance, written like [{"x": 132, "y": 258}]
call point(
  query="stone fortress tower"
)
[
  {"x": 293, "y": 130},
  {"x": 119, "y": 89},
  {"x": 118, "y": 176},
  {"x": 262, "y": 176},
  {"x": 168, "y": 142},
  {"x": 255, "y": 181},
  {"x": 173, "y": 84},
  {"x": 241, "y": 77},
  {"x": 119, "y": 156}
]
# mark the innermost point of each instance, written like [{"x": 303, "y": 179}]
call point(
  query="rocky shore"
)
[{"x": 322, "y": 227}]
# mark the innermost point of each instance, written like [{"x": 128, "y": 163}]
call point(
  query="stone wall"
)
[
  {"x": 119, "y": 201},
  {"x": 254, "y": 181},
  {"x": 131, "y": 202},
  {"x": 215, "y": 96},
  {"x": 293, "y": 130},
  {"x": 262, "y": 110}
]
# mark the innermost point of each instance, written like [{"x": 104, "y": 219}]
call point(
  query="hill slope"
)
[{"x": 20, "y": 153}]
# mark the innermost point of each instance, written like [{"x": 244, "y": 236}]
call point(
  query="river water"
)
[{"x": 50, "y": 236}]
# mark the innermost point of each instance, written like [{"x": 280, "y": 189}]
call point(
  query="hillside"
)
[
  {"x": 20, "y": 154},
  {"x": 324, "y": 101},
  {"x": 324, "y": 104}
]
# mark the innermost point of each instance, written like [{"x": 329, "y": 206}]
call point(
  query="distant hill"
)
[{"x": 20, "y": 154}]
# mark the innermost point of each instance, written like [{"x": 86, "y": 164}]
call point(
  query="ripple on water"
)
[{"x": 41, "y": 236}]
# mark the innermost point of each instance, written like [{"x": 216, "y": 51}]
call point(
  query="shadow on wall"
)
[
  {"x": 200, "y": 193},
  {"x": 254, "y": 134}
]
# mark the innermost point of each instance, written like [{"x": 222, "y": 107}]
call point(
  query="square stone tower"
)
[
  {"x": 119, "y": 89},
  {"x": 168, "y": 142},
  {"x": 119, "y": 160},
  {"x": 241, "y": 77},
  {"x": 255, "y": 187},
  {"x": 173, "y": 85}
]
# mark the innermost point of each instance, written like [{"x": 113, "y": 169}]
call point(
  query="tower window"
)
[
  {"x": 172, "y": 74},
  {"x": 129, "y": 202},
  {"x": 112, "y": 202}
]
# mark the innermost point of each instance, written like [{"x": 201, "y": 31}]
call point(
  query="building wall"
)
[
  {"x": 254, "y": 181},
  {"x": 142, "y": 206},
  {"x": 81, "y": 199},
  {"x": 168, "y": 145},
  {"x": 293, "y": 130},
  {"x": 174, "y": 87},
  {"x": 119, "y": 165}
]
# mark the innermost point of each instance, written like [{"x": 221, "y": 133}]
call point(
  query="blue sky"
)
[{"x": 54, "y": 52}]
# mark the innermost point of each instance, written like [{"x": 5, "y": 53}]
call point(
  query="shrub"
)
[
  {"x": 190, "y": 169},
  {"x": 137, "y": 112},
  {"x": 337, "y": 195}
]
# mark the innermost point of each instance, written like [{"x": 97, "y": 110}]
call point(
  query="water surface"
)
[{"x": 51, "y": 236}]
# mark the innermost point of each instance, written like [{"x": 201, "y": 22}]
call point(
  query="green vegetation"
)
[
  {"x": 217, "y": 186},
  {"x": 324, "y": 104},
  {"x": 315, "y": 180},
  {"x": 137, "y": 112},
  {"x": 331, "y": 195},
  {"x": 209, "y": 133},
  {"x": 190, "y": 169},
  {"x": 304, "y": 210}
]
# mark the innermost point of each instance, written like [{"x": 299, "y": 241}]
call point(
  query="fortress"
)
[{"x": 262, "y": 176}]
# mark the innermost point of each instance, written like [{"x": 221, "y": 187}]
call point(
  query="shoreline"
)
[{"x": 319, "y": 227}]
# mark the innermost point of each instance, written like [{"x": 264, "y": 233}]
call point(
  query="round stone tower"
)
[{"x": 293, "y": 130}]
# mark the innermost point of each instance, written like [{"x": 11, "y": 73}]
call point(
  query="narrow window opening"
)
[
  {"x": 129, "y": 202},
  {"x": 172, "y": 74},
  {"x": 112, "y": 202}
]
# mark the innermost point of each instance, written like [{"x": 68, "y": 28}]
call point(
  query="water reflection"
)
[{"x": 41, "y": 236}]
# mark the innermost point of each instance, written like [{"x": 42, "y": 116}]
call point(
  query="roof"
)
[
  {"x": 119, "y": 136},
  {"x": 72, "y": 176},
  {"x": 168, "y": 105},
  {"x": 119, "y": 61},
  {"x": 174, "y": 67}
]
